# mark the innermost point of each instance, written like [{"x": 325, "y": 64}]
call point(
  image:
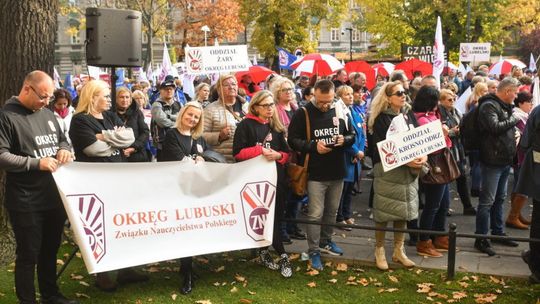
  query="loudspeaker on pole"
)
[{"x": 113, "y": 37}]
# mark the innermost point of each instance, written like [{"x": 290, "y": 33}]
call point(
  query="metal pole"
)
[
  {"x": 205, "y": 44},
  {"x": 468, "y": 21},
  {"x": 350, "y": 44},
  {"x": 451, "y": 271}
]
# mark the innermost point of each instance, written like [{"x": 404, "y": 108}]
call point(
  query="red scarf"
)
[{"x": 63, "y": 112}]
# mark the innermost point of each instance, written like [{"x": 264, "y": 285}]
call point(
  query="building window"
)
[
  {"x": 74, "y": 39},
  {"x": 167, "y": 38},
  {"x": 356, "y": 35},
  {"x": 335, "y": 34},
  {"x": 355, "y": 4},
  {"x": 144, "y": 38}
]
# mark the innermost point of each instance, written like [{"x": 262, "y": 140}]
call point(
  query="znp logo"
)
[
  {"x": 257, "y": 199},
  {"x": 92, "y": 218},
  {"x": 390, "y": 152}
]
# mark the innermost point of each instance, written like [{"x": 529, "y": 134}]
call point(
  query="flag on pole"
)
[
  {"x": 532, "y": 63},
  {"x": 149, "y": 72},
  {"x": 68, "y": 85},
  {"x": 56, "y": 78},
  {"x": 438, "y": 60},
  {"x": 142, "y": 75},
  {"x": 285, "y": 59},
  {"x": 166, "y": 66},
  {"x": 255, "y": 59}
]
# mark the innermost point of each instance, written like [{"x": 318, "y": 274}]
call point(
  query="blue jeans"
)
[
  {"x": 436, "y": 206},
  {"x": 476, "y": 174},
  {"x": 345, "y": 205},
  {"x": 492, "y": 196},
  {"x": 322, "y": 206}
]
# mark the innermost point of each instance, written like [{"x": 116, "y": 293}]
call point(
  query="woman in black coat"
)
[
  {"x": 261, "y": 133},
  {"x": 133, "y": 118},
  {"x": 185, "y": 143}
]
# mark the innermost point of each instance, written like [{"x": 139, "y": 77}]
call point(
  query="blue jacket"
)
[{"x": 352, "y": 170}]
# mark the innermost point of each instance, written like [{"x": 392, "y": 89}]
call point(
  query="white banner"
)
[
  {"x": 474, "y": 52},
  {"x": 217, "y": 59},
  {"x": 128, "y": 214},
  {"x": 403, "y": 147}
]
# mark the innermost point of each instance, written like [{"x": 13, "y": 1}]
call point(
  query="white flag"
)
[
  {"x": 56, "y": 78},
  {"x": 94, "y": 72},
  {"x": 255, "y": 59},
  {"x": 438, "y": 60},
  {"x": 166, "y": 66},
  {"x": 397, "y": 125},
  {"x": 149, "y": 72},
  {"x": 462, "y": 100},
  {"x": 532, "y": 63}
]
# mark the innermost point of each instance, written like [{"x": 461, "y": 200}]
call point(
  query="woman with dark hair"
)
[
  {"x": 128, "y": 111},
  {"x": 62, "y": 109},
  {"x": 262, "y": 133},
  {"x": 523, "y": 106},
  {"x": 437, "y": 197}
]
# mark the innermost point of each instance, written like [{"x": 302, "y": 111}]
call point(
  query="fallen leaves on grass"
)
[
  {"x": 342, "y": 267},
  {"x": 203, "y": 302},
  {"x": 294, "y": 257},
  {"x": 234, "y": 289},
  {"x": 351, "y": 283},
  {"x": 381, "y": 290},
  {"x": 312, "y": 284},
  {"x": 364, "y": 282},
  {"x": 333, "y": 281},
  {"x": 424, "y": 287},
  {"x": 463, "y": 284},
  {"x": 219, "y": 269},
  {"x": 202, "y": 260},
  {"x": 82, "y": 295},
  {"x": 494, "y": 280},
  {"x": 333, "y": 273},
  {"x": 246, "y": 301},
  {"x": 59, "y": 262},
  {"x": 239, "y": 278},
  {"x": 83, "y": 283},
  {"x": 393, "y": 279},
  {"x": 252, "y": 292},
  {"x": 485, "y": 298},
  {"x": 351, "y": 278},
  {"x": 152, "y": 269},
  {"x": 174, "y": 296},
  {"x": 217, "y": 284},
  {"x": 76, "y": 277},
  {"x": 312, "y": 272},
  {"x": 474, "y": 278},
  {"x": 458, "y": 295}
]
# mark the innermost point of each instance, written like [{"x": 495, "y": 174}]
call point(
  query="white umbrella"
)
[
  {"x": 319, "y": 64},
  {"x": 383, "y": 68},
  {"x": 505, "y": 66}
]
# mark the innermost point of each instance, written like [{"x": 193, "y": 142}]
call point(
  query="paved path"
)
[{"x": 358, "y": 245}]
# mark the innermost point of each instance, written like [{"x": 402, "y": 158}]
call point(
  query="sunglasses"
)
[{"x": 398, "y": 93}]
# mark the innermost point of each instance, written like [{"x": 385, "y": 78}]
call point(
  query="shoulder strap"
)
[{"x": 308, "y": 135}]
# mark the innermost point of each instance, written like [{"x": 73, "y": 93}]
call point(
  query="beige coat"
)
[{"x": 216, "y": 117}]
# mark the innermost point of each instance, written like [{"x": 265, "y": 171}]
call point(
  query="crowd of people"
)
[{"x": 332, "y": 122}]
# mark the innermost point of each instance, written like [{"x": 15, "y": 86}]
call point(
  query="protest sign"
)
[
  {"x": 128, "y": 214},
  {"x": 217, "y": 59},
  {"x": 423, "y": 52},
  {"x": 474, "y": 52},
  {"x": 403, "y": 147}
]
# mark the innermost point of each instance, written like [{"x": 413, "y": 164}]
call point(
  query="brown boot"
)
[
  {"x": 425, "y": 248},
  {"x": 517, "y": 203},
  {"x": 104, "y": 282},
  {"x": 441, "y": 243}
]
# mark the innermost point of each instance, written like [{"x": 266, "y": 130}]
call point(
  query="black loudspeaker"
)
[{"x": 113, "y": 37}]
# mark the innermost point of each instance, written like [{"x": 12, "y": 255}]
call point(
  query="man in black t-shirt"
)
[{"x": 32, "y": 145}]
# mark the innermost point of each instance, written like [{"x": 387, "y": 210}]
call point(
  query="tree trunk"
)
[
  {"x": 27, "y": 38},
  {"x": 150, "y": 45}
]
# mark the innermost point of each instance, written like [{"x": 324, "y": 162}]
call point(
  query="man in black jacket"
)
[
  {"x": 497, "y": 150},
  {"x": 32, "y": 145},
  {"x": 326, "y": 167}
]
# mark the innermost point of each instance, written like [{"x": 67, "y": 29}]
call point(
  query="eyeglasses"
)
[
  {"x": 398, "y": 93},
  {"x": 286, "y": 90},
  {"x": 451, "y": 99},
  {"x": 230, "y": 85},
  {"x": 267, "y": 105},
  {"x": 46, "y": 97}
]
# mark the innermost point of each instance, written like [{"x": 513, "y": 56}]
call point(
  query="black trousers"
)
[
  {"x": 38, "y": 236},
  {"x": 534, "y": 264}
]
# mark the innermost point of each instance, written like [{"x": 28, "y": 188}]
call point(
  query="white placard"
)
[
  {"x": 474, "y": 52},
  {"x": 128, "y": 214},
  {"x": 403, "y": 147},
  {"x": 217, "y": 59}
]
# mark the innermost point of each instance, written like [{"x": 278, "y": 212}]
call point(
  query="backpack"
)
[{"x": 469, "y": 130}]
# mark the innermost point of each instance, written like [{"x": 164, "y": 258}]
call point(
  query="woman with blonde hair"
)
[
  {"x": 202, "y": 93},
  {"x": 395, "y": 191},
  {"x": 222, "y": 116},
  {"x": 262, "y": 133},
  {"x": 185, "y": 143},
  {"x": 98, "y": 135},
  {"x": 480, "y": 89},
  {"x": 283, "y": 91},
  {"x": 132, "y": 117},
  {"x": 141, "y": 99}
]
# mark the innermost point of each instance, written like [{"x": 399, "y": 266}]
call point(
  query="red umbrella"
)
[
  {"x": 315, "y": 63},
  {"x": 383, "y": 68},
  {"x": 258, "y": 73},
  {"x": 363, "y": 67},
  {"x": 415, "y": 65},
  {"x": 505, "y": 66}
]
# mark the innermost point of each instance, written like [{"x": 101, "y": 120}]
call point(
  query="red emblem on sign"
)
[
  {"x": 390, "y": 153},
  {"x": 257, "y": 198}
]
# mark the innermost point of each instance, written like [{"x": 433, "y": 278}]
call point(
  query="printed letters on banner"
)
[{"x": 131, "y": 214}]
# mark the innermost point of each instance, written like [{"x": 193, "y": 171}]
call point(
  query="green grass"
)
[{"x": 221, "y": 281}]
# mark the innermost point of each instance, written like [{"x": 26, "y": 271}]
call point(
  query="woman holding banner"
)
[
  {"x": 98, "y": 135},
  {"x": 185, "y": 143},
  {"x": 395, "y": 191},
  {"x": 262, "y": 133}
]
